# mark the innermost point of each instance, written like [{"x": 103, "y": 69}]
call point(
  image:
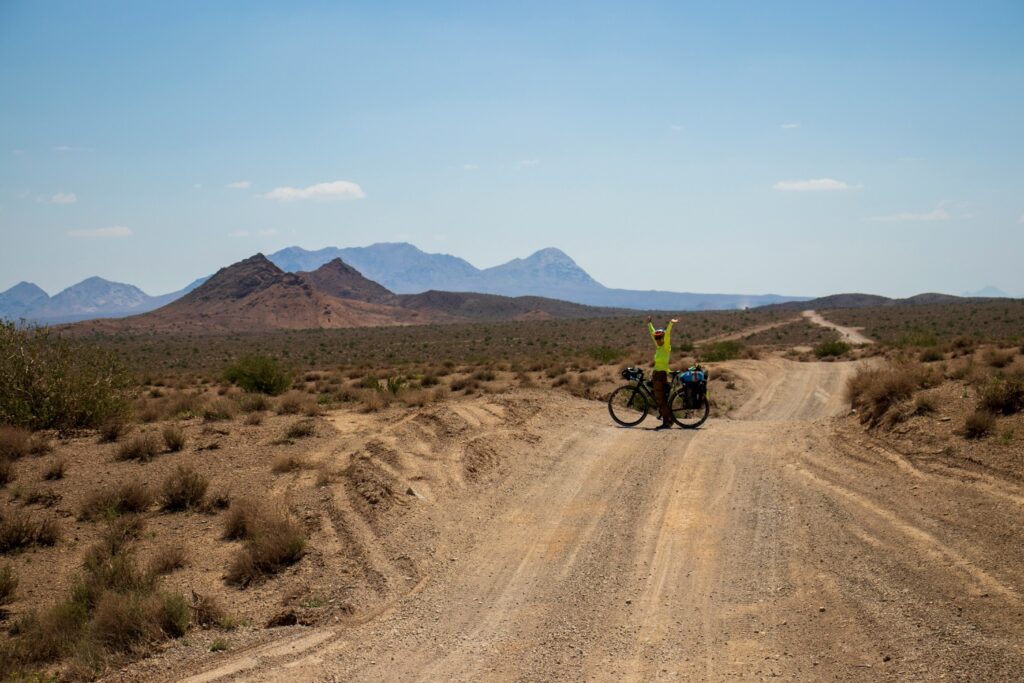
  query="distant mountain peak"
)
[
  {"x": 988, "y": 291},
  {"x": 238, "y": 280},
  {"x": 341, "y": 280}
]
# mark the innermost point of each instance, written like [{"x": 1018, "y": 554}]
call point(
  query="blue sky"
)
[{"x": 790, "y": 147}]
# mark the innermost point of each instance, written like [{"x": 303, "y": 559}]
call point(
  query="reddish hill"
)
[
  {"x": 338, "y": 279},
  {"x": 254, "y": 295}
]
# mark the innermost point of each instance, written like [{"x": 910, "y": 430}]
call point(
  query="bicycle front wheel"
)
[
  {"x": 692, "y": 415},
  {"x": 628, "y": 406}
]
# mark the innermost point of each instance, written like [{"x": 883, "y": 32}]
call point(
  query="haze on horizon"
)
[{"x": 801, "y": 149}]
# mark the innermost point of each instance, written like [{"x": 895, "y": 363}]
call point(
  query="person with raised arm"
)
[{"x": 662, "y": 338}]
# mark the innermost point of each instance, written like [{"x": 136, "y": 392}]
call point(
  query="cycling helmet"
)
[{"x": 659, "y": 333}]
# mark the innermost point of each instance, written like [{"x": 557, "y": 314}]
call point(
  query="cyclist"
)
[{"x": 662, "y": 351}]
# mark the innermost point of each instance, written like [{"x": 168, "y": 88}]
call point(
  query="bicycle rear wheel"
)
[
  {"x": 628, "y": 406},
  {"x": 689, "y": 416}
]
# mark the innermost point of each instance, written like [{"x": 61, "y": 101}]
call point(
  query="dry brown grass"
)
[
  {"x": 7, "y": 472},
  {"x": 111, "y": 431},
  {"x": 979, "y": 424},
  {"x": 15, "y": 442},
  {"x": 167, "y": 559},
  {"x": 8, "y": 585},
  {"x": 300, "y": 430},
  {"x": 20, "y": 530},
  {"x": 174, "y": 438},
  {"x": 1002, "y": 394},
  {"x": 55, "y": 470},
  {"x": 288, "y": 462},
  {"x": 874, "y": 391},
  {"x": 132, "y": 496},
  {"x": 142, "y": 447},
  {"x": 183, "y": 489},
  {"x": 273, "y": 541}
]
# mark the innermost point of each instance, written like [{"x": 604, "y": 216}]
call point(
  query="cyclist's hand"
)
[
  {"x": 674, "y": 320},
  {"x": 649, "y": 318}
]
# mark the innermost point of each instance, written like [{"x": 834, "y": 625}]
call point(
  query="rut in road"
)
[{"x": 762, "y": 545}]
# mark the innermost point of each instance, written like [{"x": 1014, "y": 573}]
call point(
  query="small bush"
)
[
  {"x": 721, "y": 351},
  {"x": 240, "y": 519},
  {"x": 207, "y": 611},
  {"x": 873, "y": 391},
  {"x": 130, "y": 497},
  {"x": 143, "y": 448},
  {"x": 54, "y": 382},
  {"x": 833, "y": 348},
  {"x": 253, "y": 403},
  {"x": 1003, "y": 395},
  {"x": 15, "y": 442},
  {"x": 273, "y": 541},
  {"x": 917, "y": 338},
  {"x": 979, "y": 424},
  {"x": 924, "y": 405},
  {"x": 254, "y": 419},
  {"x": 184, "y": 489},
  {"x": 998, "y": 359},
  {"x": 373, "y": 401},
  {"x": 8, "y": 585},
  {"x": 219, "y": 409},
  {"x": 395, "y": 384},
  {"x": 122, "y": 621},
  {"x": 300, "y": 430},
  {"x": 112, "y": 430},
  {"x": 174, "y": 438},
  {"x": 173, "y": 614},
  {"x": 931, "y": 355},
  {"x": 259, "y": 374},
  {"x": 18, "y": 531},
  {"x": 167, "y": 559},
  {"x": 605, "y": 354}
]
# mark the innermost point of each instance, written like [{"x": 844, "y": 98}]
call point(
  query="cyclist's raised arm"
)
[
  {"x": 650, "y": 327},
  {"x": 668, "y": 331}
]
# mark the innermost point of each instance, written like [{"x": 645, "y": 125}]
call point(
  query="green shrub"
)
[
  {"x": 53, "y": 382},
  {"x": 931, "y": 355},
  {"x": 831, "y": 348},
  {"x": 717, "y": 352},
  {"x": 918, "y": 338},
  {"x": 259, "y": 374}
]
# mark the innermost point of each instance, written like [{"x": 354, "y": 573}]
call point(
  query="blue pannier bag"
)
[{"x": 693, "y": 376}]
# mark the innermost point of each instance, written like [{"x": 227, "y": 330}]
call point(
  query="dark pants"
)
[{"x": 659, "y": 380}]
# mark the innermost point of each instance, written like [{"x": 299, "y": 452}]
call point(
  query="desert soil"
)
[
  {"x": 771, "y": 543},
  {"x": 852, "y": 335}
]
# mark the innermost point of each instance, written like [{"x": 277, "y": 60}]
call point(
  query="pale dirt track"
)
[
  {"x": 851, "y": 335},
  {"x": 763, "y": 545}
]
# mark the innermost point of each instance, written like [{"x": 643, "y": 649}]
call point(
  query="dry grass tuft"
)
[
  {"x": 288, "y": 462},
  {"x": 130, "y": 497},
  {"x": 167, "y": 559},
  {"x": 19, "y": 530},
  {"x": 300, "y": 430},
  {"x": 56, "y": 470},
  {"x": 184, "y": 489},
  {"x": 873, "y": 391},
  {"x": 143, "y": 448},
  {"x": 979, "y": 424},
  {"x": 273, "y": 541},
  {"x": 7, "y": 473},
  {"x": 220, "y": 409},
  {"x": 8, "y": 585},
  {"x": 15, "y": 442},
  {"x": 174, "y": 438},
  {"x": 1003, "y": 395},
  {"x": 111, "y": 431}
]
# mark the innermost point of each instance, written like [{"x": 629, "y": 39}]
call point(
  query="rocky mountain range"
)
[
  {"x": 549, "y": 273},
  {"x": 91, "y": 298},
  {"x": 256, "y": 295}
]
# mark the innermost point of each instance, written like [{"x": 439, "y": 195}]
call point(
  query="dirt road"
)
[
  {"x": 850, "y": 335},
  {"x": 767, "y": 544}
]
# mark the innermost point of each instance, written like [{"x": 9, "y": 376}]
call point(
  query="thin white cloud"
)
[
  {"x": 64, "y": 198},
  {"x": 814, "y": 185},
  {"x": 789, "y": 126},
  {"x": 338, "y": 189},
  {"x": 470, "y": 167},
  {"x": 102, "y": 233},
  {"x": 528, "y": 162},
  {"x": 939, "y": 213},
  {"x": 239, "y": 185}
]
